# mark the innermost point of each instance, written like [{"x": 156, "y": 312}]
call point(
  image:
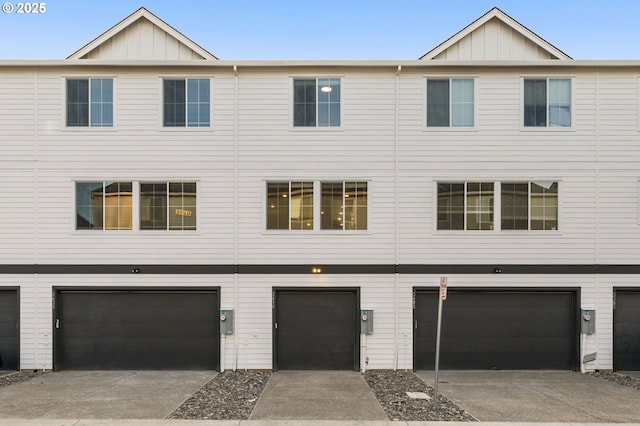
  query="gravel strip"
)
[
  {"x": 390, "y": 389},
  {"x": 621, "y": 379},
  {"x": 18, "y": 377},
  {"x": 228, "y": 396}
]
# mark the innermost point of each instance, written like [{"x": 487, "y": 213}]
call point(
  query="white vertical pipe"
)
[
  {"x": 235, "y": 217},
  {"x": 223, "y": 339},
  {"x": 397, "y": 225}
]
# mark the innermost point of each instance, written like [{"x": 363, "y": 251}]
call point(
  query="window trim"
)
[
  {"x": 185, "y": 128},
  {"x": 547, "y": 128},
  {"x": 135, "y": 206},
  {"x": 317, "y": 207},
  {"x": 168, "y": 224},
  {"x": 465, "y": 183},
  {"x": 101, "y": 231},
  {"x": 315, "y": 128},
  {"x": 529, "y": 182},
  {"x": 114, "y": 125},
  {"x": 497, "y": 206},
  {"x": 475, "y": 78}
]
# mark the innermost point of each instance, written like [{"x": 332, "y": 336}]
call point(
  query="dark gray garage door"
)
[
  {"x": 316, "y": 330},
  {"x": 497, "y": 330},
  {"x": 9, "y": 329},
  {"x": 626, "y": 329},
  {"x": 137, "y": 329}
]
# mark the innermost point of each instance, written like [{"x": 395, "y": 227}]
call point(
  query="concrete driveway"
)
[
  {"x": 538, "y": 396},
  {"x": 309, "y": 395},
  {"x": 101, "y": 394}
]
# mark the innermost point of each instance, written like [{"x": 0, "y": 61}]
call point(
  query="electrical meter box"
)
[
  {"x": 366, "y": 321},
  {"x": 588, "y": 321},
  {"x": 226, "y": 321}
]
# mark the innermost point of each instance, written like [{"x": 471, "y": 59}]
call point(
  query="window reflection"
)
[{"x": 104, "y": 205}]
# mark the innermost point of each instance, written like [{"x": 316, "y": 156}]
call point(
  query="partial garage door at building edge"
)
[
  {"x": 137, "y": 329},
  {"x": 501, "y": 329},
  {"x": 626, "y": 330},
  {"x": 316, "y": 329},
  {"x": 8, "y": 329}
]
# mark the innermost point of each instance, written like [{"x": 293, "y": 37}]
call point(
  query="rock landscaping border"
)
[
  {"x": 228, "y": 396},
  {"x": 19, "y": 377},
  {"x": 391, "y": 387},
  {"x": 620, "y": 379}
]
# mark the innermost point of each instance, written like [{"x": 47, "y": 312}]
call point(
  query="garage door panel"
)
[
  {"x": 316, "y": 330},
  {"x": 496, "y": 330},
  {"x": 138, "y": 330},
  {"x": 627, "y": 330},
  {"x": 9, "y": 329}
]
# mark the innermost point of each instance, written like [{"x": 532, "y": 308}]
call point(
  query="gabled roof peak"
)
[
  {"x": 508, "y": 39},
  {"x": 145, "y": 28}
]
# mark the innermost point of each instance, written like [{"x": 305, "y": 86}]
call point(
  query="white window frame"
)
[
  {"x": 315, "y": 128},
  {"x": 184, "y": 128},
  {"x": 548, "y": 128},
  {"x": 317, "y": 206},
  {"x": 529, "y": 204},
  {"x": 135, "y": 206},
  {"x": 89, "y": 127},
  {"x": 465, "y": 205},
  {"x": 449, "y": 77}
]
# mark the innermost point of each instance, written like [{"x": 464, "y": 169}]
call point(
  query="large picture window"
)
[
  {"x": 187, "y": 102},
  {"x": 466, "y": 206},
  {"x": 547, "y": 102},
  {"x": 316, "y": 102},
  {"x": 344, "y": 206},
  {"x": 90, "y": 102},
  {"x": 162, "y": 205},
  {"x": 168, "y": 206},
  {"x": 292, "y": 206},
  {"x": 104, "y": 205},
  {"x": 530, "y": 205},
  {"x": 450, "y": 102}
]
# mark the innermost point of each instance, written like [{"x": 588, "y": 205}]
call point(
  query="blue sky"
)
[{"x": 330, "y": 29}]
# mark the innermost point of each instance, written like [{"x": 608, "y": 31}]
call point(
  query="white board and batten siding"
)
[{"x": 494, "y": 40}]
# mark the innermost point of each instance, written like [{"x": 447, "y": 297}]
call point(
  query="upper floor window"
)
[
  {"x": 316, "y": 102},
  {"x": 187, "y": 102},
  {"x": 450, "y": 102},
  {"x": 337, "y": 206},
  {"x": 168, "y": 205},
  {"x": 465, "y": 206},
  {"x": 290, "y": 205},
  {"x": 530, "y": 205},
  {"x": 162, "y": 205},
  {"x": 90, "y": 102},
  {"x": 547, "y": 102},
  {"x": 344, "y": 206},
  {"x": 104, "y": 205}
]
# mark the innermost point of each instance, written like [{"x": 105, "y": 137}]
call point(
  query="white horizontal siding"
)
[
  {"x": 18, "y": 114},
  {"x": 211, "y": 243},
  {"x": 18, "y": 214},
  {"x": 596, "y": 163}
]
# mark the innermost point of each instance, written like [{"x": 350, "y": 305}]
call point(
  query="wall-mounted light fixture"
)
[
  {"x": 135, "y": 270},
  {"x": 497, "y": 270},
  {"x": 316, "y": 270}
]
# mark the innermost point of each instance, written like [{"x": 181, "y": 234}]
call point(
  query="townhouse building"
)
[{"x": 165, "y": 209}]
